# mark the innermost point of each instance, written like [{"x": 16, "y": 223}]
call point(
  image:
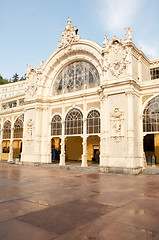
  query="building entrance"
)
[
  {"x": 17, "y": 149},
  {"x": 74, "y": 149},
  {"x": 151, "y": 148},
  {"x": 93, "y": 149},
  {"x": 55, "y": 149}
]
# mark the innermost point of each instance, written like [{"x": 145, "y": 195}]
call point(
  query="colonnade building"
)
[{"x": 87, "y": 103}]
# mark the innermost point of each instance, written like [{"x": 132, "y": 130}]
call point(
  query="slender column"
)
[
  {"x": 62, "y": 155},
  {"x": 139, "y": 69},
  {"x": 104, "y": 131},
  {"x": 11, "y": 145},
  {"x": 1, "y": 136},
  {"x": 84, "y": 155},
  {"x": 130, "y": 130},
  {"x": 84, "y": 143}
]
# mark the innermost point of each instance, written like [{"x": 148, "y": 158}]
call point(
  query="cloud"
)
[{"x": 115, "y": 15}]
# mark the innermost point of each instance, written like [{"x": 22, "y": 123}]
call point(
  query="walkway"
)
[{"x": 38, "y": 203}]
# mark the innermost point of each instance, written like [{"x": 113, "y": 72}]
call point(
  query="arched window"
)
[
  {"x": 76, "y": 76},
  {"x": 93, "y": 122},
  {"x": 7, "y": 130},
  {"x": 74, "y": 122},
  {"x": 56, "y": 125},
  {"x": 18, "y": 128},
  {"x": 151, "y": 116}
]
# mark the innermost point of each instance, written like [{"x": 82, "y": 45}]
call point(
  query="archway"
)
[
  {"x": 93, "y": 150},
  {"x": 55, "y": 149},
  {"x": 17, "y": 137},
  {"x": 74, "y": 150},
  {"x": 17, "y": 149},
  {"x": 151, "y": 131}
]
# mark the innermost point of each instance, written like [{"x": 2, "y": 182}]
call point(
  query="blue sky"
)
[{"x": 30, "y": 29}]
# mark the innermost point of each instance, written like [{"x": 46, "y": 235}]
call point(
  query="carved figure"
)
[
  {"x": 106, "y": 40},
  {"x": 128, "y": 34}
]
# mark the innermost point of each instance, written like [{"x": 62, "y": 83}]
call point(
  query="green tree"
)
[
  {"x": 15, "y": 77},
  {"x": 22, "y": 78},
  {"x": 3, "y": 80}
]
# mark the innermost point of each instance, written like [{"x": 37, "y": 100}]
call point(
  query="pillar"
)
[
  {"x": 130, "y": 129},
  {"x": 104, "y": 131},
  {"x": 139, "y": 69},
  {"x": 11, "y": 144},
  {"x": 84, "y": 143},
  {"x": 84, "y": 155},
  {"x": 1, "y": 136},
  {"x": 62, "y": 155}
]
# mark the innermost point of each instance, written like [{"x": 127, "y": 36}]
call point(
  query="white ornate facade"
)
[{"x": 86, "y": 101}]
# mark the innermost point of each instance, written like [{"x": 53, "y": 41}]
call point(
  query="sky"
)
[{"x": 30, "y": 29}]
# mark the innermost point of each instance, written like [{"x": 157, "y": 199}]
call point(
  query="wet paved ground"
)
[{"x": 45, "y": 204}]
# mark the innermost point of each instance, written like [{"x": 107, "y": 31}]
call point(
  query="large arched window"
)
[
  {"x": 93, "y": 122},
  {"x": 74, "y": 122},
  {"x": 76, "y": 76},
  {"x": 7, "y": 130},
  {"x": 18, "y": 127},
  {"x": 151, "y": 116},
  {"x": 56, "y": 125}
]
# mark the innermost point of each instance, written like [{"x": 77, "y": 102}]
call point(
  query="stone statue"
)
[
  {"x": 106, "y": 40},
  {"x": 128, "y": 34}
]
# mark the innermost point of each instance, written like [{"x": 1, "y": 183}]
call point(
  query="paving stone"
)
[{"x": 58, "y": 218}]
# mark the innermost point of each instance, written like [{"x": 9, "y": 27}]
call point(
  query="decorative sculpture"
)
[
  {"x": 69, "y": 36},
  {"x": 128, "y": 34}
]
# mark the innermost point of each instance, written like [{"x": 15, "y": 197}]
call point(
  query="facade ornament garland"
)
[
  {"x": 69, "y": 36},
  {"x": 117, "y": 128}
]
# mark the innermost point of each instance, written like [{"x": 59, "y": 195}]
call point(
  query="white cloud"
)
[{"x": 116, "y": 15}]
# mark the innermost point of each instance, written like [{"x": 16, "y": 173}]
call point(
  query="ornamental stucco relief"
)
[
  {"x": 116, "y": 54},
  {"x": 117, "y": 128},
  {"x": 33, "y": 77},
  {"x": 69, "y": 36},
  {"x": 30, "y": 127}
]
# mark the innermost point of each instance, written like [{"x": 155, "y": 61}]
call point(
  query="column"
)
[
  {"x": 62, "y": 155},
  {"x": 130, "y": 129},
  {"x": 84, "y": 155},
  {"x": 1, "y": 136},
  {"x": 139, "y": 69},
  {"x": 84, "y": 143},
  {"x": 11, "y": 144},
  {"x": 104, "y": 131}
]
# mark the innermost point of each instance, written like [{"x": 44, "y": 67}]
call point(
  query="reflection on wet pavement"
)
[{"x": 44, "y": 203}]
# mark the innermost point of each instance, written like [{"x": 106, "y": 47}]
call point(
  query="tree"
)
[
  {"x": 3, "y": 80},
  {"x": 22, "y": 78},
  {"x": 15, "y": 77}
]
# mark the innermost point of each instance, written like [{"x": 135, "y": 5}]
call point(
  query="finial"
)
[{"x": 69, "y": 21}]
